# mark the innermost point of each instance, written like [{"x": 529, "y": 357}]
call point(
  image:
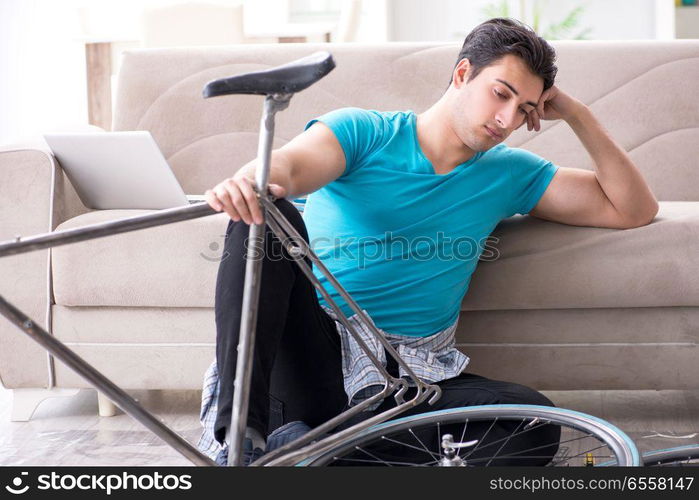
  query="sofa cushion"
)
[
  {"x": 539, "y": 264},
  {"x": 545, "y": 265},
  {"x": 170, "y": 266}
]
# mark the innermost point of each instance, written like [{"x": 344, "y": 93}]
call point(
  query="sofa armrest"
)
[
  {"x": 66, "y": 203},
  {"x": 35, "y": 197},
  {"x": 25, "y": 209}
]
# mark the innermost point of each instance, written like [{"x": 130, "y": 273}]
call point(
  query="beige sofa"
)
[{"x": 561, "y": 308}]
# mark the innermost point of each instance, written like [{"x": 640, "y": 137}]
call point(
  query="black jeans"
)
[
  {"x": 297, "y": 366},
  {"x": 297, "y": 371}
]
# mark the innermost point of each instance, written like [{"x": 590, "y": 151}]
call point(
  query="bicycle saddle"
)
[{"x": 285, "y": 79}]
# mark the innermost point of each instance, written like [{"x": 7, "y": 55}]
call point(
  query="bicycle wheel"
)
[
  {"x": 489, "y": 435},
  {"x": 682, "y": 456}
]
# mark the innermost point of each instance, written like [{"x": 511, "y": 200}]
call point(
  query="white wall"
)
[
  {"x": 42, "y": 82},
  {"x": 42, "y": 58},
  {"x": 10, "y": 33},
  {"x": 42, "y": 66},
  {"x": 451, "y": 20},
  {"x": 373, "y": 26}
]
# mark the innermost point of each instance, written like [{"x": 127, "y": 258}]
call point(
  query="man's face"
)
[{"x": 498, "y": 100}]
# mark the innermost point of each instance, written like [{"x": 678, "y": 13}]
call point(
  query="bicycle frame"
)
[{"x": 298, "y": 249}]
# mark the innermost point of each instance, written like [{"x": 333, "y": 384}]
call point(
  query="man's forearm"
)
[
  {"x": 619, "y": 178},
  {"x": 280, "y": 172}
]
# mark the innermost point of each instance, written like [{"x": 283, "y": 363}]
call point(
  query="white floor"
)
[{"x": 68, "y": 431}]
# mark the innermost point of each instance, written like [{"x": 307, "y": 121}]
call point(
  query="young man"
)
[{"x": 433, "y": 178}]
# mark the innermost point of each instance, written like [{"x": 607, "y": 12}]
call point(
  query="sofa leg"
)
[
  {"x": 105, "y": 405},
  {"x": 26, "y": 401}
]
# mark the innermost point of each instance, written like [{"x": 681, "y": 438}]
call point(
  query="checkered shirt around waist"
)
[{"x": 433, "y": 359}]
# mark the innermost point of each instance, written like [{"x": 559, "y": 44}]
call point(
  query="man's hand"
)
[
  {"x": 237, "y": 198},
  {"x": 554, "y": 104},
  {"x": 308, "y": 162}
]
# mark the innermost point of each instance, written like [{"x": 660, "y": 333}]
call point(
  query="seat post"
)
[
  {"x": 272, "y": 104},
  {"x": 251, "y": 287}
]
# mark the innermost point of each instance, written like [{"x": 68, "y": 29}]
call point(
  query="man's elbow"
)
[{"x": 643, "y": 218}]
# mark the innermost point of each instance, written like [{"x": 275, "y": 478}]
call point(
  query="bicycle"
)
[
  {"x": 681, "y": 456},
  {"x": 373, "y": 437}
]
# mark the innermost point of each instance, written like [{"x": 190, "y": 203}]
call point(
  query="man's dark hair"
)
[{"x": 498, "y": 37}]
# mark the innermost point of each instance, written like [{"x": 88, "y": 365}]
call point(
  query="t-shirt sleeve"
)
[
  {"x": 531, "y": 175},
  {"x": 358, "y": 131}
]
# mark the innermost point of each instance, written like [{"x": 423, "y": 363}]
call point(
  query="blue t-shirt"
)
[{"x": 401, "y": 239}]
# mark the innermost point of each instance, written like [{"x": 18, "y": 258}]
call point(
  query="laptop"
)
[{"x": 112, "y": 170}]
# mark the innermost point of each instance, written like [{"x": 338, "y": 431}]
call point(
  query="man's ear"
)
[{"x": 461, "y": 72}]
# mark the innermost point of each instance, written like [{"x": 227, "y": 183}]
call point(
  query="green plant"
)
[
  {"x": 497, "y": 9},
  {"x": 563, "y": 29}
]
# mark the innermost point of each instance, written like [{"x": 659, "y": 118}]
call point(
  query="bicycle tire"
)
[
  {"x": 623, "y": 449},
  {"x": 681, "y": 456}
]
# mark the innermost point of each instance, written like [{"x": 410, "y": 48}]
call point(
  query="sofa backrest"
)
[{"x": 643, "y": 92}]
